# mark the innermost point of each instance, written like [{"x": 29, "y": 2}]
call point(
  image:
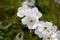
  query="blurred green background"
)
[{"x": 10, "y": 24}]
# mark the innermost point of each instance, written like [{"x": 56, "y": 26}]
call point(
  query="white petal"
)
[
  {"x": 25, "y": 3},
  {"x": 24, "y": 20},
  {"x": 48, "y": 24},
  {"x": 20, "y": 8},
  {"x": 39, "y": 14},
  {"x": 38, "y": 33},
  {"x": 34, "y": 26},
  {"x": 29, "y": 12},
  {"x": 39, "y": 28},
  {"x": 58, "y": 35},
  {"x": 45, "y": 33},
  {"x": 23, "y": 8},
  {"x": 54, "y": 28},
  {"x": 20, "y": 13},
  {"x": 56, "y": 39},
  {"x": 30, "y": 4},
  {"x": 42, "y": 22},
  {"x": 54, "y": 35}
]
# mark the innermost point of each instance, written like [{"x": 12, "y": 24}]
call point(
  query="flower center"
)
[
  {"x": 31, "y": 20},
  {"x": 48, "y": 38},
  {"x": 45, "y": 27}
]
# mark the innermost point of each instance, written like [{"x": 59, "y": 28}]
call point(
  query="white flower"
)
[
  {"x": 38, "y": 32},
  {"x": 58, "y": 35},
  {"x": 28, "y": 3},
  {"x": 55, "y": 36},
  {"x": 38, "y": 14},
  {"x": 31, "y": 3},
  {"x": 51, "y": 37},
  {"x": 19, "y": 37},
  {"x": 44, "y": 28},
  {"x": 54, "y": 29},
  {"x": 57, "y": 1},
  {"x": 21, "y": 11},
  {"x": 30, "y": 21},
  {"x": 25, "y": 11},
  {"x": 25, "y": 3}
]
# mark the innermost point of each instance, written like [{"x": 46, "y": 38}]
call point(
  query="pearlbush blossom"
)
[
  {"x": 58, "y": 35},
  {"x": 30, "y": 21},
  {"x": 25, "y": 11},
  {"x": 31, "y": 14},
  {"x": 57, "y": 1},
  {"x": 28, "y": 3},
  {"x": 45, "y": 28},
  {"x": 51, "y": 37},
  {"x": 55, "y": 36},
  {"x": 21, "y": 11}
]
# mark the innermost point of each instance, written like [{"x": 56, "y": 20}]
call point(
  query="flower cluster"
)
[{"x": 30, "y": 17}]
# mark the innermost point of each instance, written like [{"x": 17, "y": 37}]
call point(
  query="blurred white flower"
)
[
  {"x": 25, "y": 11},
  {"x": 28, "y": 3},
  {"x": 21, "y": 11},
  {"x": 55, "y": 36},
  {"x": 30, "y": 21},
  {"x": 38, "y": 14},
  {"x": 31, "y": 3},
  {"x": 58, "y": 35},
  {"x": 19, "y": 37},
  {"x": 57, "y": 1},
  {"x": 25, "y": 3},
  {"x": 51, "y": 37},
  {"x": 45, "y": 28},
  {"x": 54, "y": 29}
]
